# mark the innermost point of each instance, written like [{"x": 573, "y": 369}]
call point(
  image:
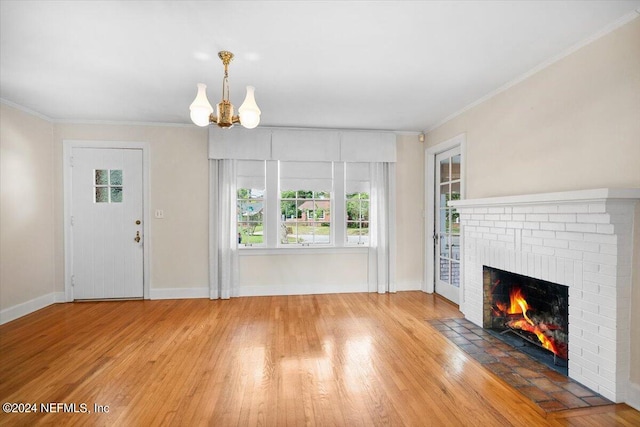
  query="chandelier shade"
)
[{"x": 202, "y": 111}]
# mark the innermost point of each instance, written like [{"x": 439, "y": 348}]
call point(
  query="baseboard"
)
[
  {"x": 28, "y": 307},
  {"x": 633, "y": 396},
  {"x": 178, "y": 293},
  {"x": 296, "y": 289}
]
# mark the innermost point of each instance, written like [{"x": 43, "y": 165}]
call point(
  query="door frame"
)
[
  {"x": 67, "y": 150},
  {"x": 430, "y": 217}
]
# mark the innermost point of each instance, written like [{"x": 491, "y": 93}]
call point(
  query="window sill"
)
[{"x": 302, "y": 250}]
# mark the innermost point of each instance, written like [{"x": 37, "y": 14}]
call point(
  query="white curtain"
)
[
  {"x": 382, "y": 228},
  {"x": 223, "y": 235}
]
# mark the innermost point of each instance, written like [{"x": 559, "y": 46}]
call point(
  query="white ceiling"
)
[{"x": 396, "y": 65}]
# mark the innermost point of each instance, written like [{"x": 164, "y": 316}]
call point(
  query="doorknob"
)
[{"x": 137, "y": 238}]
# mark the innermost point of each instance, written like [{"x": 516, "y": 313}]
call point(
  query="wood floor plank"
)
[{"x": 344, "y": 360}]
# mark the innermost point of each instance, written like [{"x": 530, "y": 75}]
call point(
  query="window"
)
[
  {"x": 107, "y": 186},
  {"x": 250, "y": 202},
  {"x": 357, "y": 188},
  {"x": 316, "y": 204},
  {"x": 305, "y": 202}
]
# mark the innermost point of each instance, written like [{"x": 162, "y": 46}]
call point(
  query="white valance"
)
[
  {"x": 301, "y": 145},
  {"x": 313, "y": 176}
]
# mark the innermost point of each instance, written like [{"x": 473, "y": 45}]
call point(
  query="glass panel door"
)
[{"x": 447, "y": 232}]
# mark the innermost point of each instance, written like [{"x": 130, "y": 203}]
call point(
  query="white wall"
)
[
  {"x": 27, "y": 205},
  {"x": 573, "y": 125}
]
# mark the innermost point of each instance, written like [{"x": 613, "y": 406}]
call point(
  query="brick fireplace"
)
[{"x": 579, "y": 239}]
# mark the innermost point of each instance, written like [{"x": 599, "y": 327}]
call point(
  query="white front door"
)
[
  {"x": 106, "y": 217},
  {"x": 447, "y": 232}
]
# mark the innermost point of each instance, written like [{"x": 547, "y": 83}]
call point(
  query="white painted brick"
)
[
  {"x": 608, "y": 291},
  {"x": 501, "y": 224},
  {"x": 555, "y": 243},
  {"x": 542, "y": 250},
  {"x": 600, "y": 258},
  {"x": 605, "y": 228},
  {"x": 545, "y": 268},
  {"x": 495, "y": 210},
  {"x": 606, "y": 374},
  {"x": 506, "y": 217},
  {"x": 532, "y": 240},
  {"x": 608, "y": 333},
  {"x": 609, "y": 270},
  {"x": 526, "y": 233},
  {"x": 483, "y": 229},
  {"x": 585, "y": 364},
  {"x": 470, "y": 222},
  {"x": 480, "y": 210},
  {"x": 607, "y": 322},
  {"x": 601, "y": 238},
  {"x": 568, "y": 272},
  {"x": 569, "y": 253},
  {"x": 569, "y": 235},
  {"x": 608, "y": 312},
  {"x": 489, "y": 236},
  {"x": 486, "y": 223},
  {"x": 507, "y": 209},
  {"x": 592, "y": 267},
  {"x": 597, "y": 208},
  {"x": 515, "y": 224},
  {"x": 583, "y": 228},
  {"x": 544, "y": 233},
  {"x": 545, "y": 209},
  {"x": 601, "y": 279},
  {"x": 584, "y": 246},
  {"x": 573, "y": 208},
  {"x": 552, "y": 270},
  {"x": 498, "y": 244},
  {"x": 577, "y": 275},
  {"x": 477, "y": 217},
  {"x": 602, "y": 362},
  {"x": 562, "y": 217},
  {"x": 584, "y": 344},
  {"x": 552, "y": 226},
  {"x": 498, "y": 230},
  {"x": 522, "y": 209},
  {"x": 518, "y": 217},
  {"x": 609, "y": 249},
  {"x": 506, "y": 238},
  {"x": 587, "y": 307},
  {"x": 531, "y": 225},
  {"x": 537, "y": 217},
  {"x": 594, "y": 218},
  {"x": 590, "y": 287},
  {"x": 597, "y": 299}
]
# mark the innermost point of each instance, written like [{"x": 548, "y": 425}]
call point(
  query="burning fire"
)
[{"x": 518, "y": 305}]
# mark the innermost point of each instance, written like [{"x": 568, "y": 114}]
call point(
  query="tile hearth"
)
[{"x": 548, "y": 389}]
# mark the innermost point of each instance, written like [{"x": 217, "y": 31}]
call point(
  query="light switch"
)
[{"x": 159, "y": 213}]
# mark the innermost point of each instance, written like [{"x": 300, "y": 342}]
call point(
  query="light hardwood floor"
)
[{"x": 346, "y": 360}]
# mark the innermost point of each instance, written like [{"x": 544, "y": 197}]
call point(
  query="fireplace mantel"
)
[
  {"x": 592, "y": 195},
  {"x": 581, "y": 239}
]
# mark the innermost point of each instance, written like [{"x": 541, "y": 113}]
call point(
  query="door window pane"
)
[
  {"x": 444, "y": 170},
  {"x": 101, "y": 177},
  {"x": 101, "y": 195}
]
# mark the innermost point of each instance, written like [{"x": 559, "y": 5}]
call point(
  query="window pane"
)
[
  {"x": 444, "y": 269},
  {"x": 116, "y": 194},
  {"x": 455, "y": 167},
  {"x": 101, "y": 177},
  {"x": 250, "y": 233},
  {"x": 101, "y": 194},
  {"x": 116, "y": 177},
  {"x": 444, "y": 170},
  {"x": 455, "y": 274}
]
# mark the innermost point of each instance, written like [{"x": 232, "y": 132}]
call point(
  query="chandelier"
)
[{"x": 202, "y": 111}]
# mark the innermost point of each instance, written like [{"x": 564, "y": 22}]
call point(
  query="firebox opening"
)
[{"x": 528, "y": 313}]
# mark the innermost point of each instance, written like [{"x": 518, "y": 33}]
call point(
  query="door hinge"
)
[
  {"x": 72, "y": 221},
  {"x": 73, "y": 280}
]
